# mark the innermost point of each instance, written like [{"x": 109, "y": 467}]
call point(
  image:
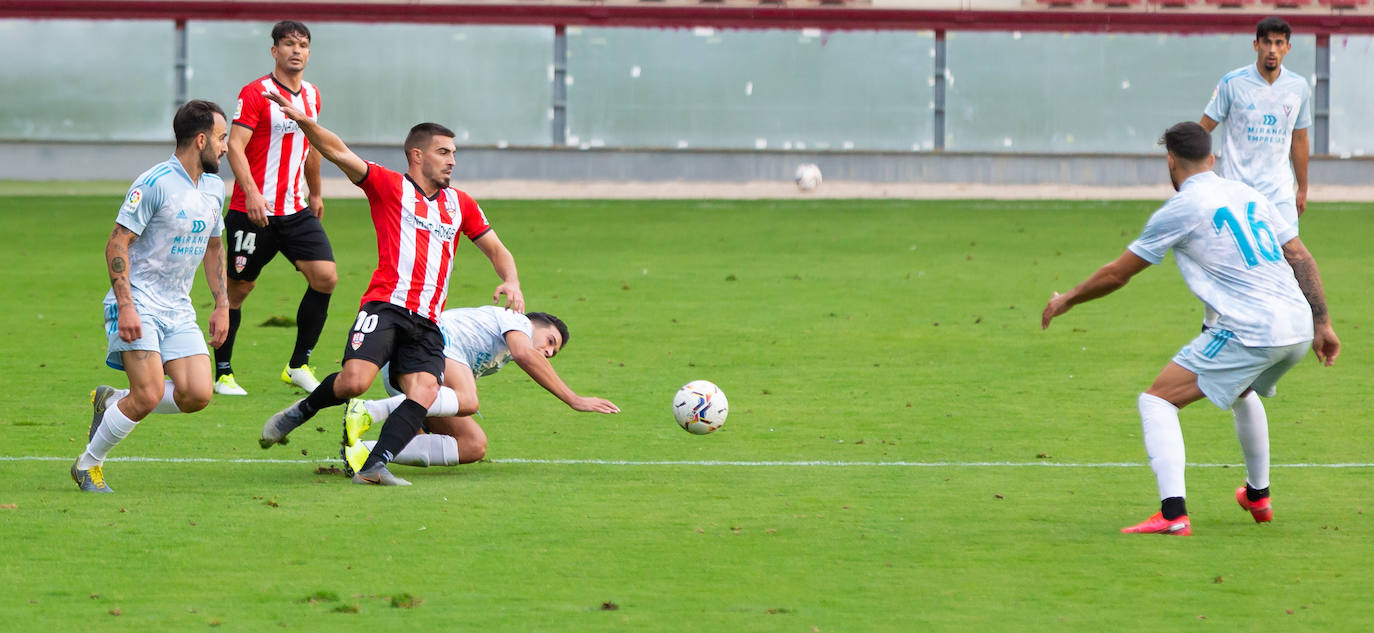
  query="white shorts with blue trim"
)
[
  {"x": 1225, "y": 368},
  {"x": 171, "y": 340}
]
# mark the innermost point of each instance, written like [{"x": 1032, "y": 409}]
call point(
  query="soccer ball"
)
[
  {"x": 700, "y": 407},
  {"x": 808, "y": 176}
]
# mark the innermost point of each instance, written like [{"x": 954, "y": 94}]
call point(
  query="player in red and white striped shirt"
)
[
  {"x": 419, "y": 219},
  {"x": 269, "y": 211}
]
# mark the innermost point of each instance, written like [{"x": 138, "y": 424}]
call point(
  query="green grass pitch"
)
[{"x": 906, "y": 449}]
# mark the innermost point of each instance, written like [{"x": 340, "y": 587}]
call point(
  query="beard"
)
[{"x": 210, "y": 164}]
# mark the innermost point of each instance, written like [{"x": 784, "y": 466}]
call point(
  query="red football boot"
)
[
  {"x": 1157, "y": 524},
  {"x": 1261, "y": 509}
]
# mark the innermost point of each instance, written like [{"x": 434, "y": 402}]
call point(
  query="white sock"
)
[
  {"x": 167, "y": 404},
  {"x": 1252, "y": 429},
  {"x": 115, "y": 426},
  {"x": 426, "y": 449},
  {"x": 444, "y": 405},
  {"x": 1164, "y": 444}
]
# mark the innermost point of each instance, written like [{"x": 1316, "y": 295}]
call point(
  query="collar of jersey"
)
[
  {"x": 422, "y": 189},
  {"x": 294, "y": 93}
]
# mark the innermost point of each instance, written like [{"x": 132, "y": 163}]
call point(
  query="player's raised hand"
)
[
  {"x": 594, "y": 405},
  {"x": 515, "y": 300},
  {"x": 286, "y": 107},
  {"x": 1058, "y": 305},
  {"x": 1325, "y": 344}
]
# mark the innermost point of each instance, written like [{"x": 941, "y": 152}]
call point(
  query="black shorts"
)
[
  {"x": 386, "y": 333},
  {"x": 299, "y": 237}
]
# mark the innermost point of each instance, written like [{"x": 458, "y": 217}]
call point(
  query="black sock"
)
[
  {"x": 400, "y": 427},
  {"x": 322, "y": 397},
  {"x": 1172, "y": 508},
  {"x": 226, "y": 350},
  {"x": 1255, "y": 495},
  {"x": 310, "y": 318}
]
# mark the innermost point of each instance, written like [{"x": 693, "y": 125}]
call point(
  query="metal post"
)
[
  {"x": 560, "y": 85},
  {"x": 938, "y": 131},
  {"x": 179, "y": 65},
  {"x": 1321, "y": 100}
]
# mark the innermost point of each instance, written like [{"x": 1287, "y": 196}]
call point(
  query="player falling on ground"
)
[
  {"x": 1264, "y": 307},
  {"x": 269, "y": 213},
  {"x": 418, "y": 218},
  {"x": 477, "y": 342},
  {"x": 1265, "y": 111},
  {"x": 169, "y": 223}
]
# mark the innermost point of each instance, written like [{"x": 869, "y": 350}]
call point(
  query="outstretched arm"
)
[
  {"x": 1106, "y": 280},
  {"x": 117, "y": 263},
  {"x": 1324, "y": 341},
  {"x": 504, "y": 264},
  {"x": 541, "y": 370},
  {"x": 329, "y": 145},
  {"x": 214, "y": 277}
]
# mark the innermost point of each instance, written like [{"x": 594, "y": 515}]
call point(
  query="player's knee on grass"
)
[{"x": 472, "y": 447}]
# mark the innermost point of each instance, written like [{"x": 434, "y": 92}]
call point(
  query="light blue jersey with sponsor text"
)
[
  {"x": 174, "y": 219},
  {"x": 1258, "y": 119}
]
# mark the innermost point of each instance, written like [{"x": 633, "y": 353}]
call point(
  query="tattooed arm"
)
[
  {"x": 1324, "y": 341},
  {"x": 214, "y": 277},
  {"x": 117, "y": 263}
]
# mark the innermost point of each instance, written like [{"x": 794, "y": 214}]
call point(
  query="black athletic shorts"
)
[
  {"x": 248, "y": 247},
  {"x": 387, "y": 333}
]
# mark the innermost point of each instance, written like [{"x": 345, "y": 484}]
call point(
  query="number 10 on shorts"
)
[{"x": 364, "y": 325}]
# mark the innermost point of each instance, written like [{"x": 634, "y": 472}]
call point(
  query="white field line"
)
[{"x": 737, "y": 464}]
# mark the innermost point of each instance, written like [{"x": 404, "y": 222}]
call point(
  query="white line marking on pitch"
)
[{"x": 738, "y": 464}]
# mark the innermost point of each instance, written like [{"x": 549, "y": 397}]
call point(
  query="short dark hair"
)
[
  {"x": 1273, "y": 24},
  {"x": 421, "y": 134},
  {"x": 1188, "y": 140},
  {"x": 288, "y": 27},
  {"x": 549, "y": 319},
  {"x": 194, "y": 117}
]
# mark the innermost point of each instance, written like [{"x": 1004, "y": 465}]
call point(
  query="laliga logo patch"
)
[
  {"x": 238, "y": 110},
  {"x": 134, "y": 198},
  {"x": 357, "y": 340},
  {"x": 239, "y": 263}
]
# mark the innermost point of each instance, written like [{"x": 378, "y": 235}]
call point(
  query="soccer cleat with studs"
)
[
  {"x": 354, "y": 457},
  {"x": 356, "y": 421},
  {"x": 89, "y": 480},
  {"x": 378, "y": 475},
  {"x": 281, "y": 423},
  {"x": 1157, "y": 524},
  {"x": 100, "y": 401},
  {"x": 303, "y": 377},
  {"x": 1261, "y": 509},
  {"x": 226, "y": 386}
]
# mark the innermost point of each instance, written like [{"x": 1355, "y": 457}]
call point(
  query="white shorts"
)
[
  {"x": 1225, "y": 368},
  {"x": 171, "y": 340}
]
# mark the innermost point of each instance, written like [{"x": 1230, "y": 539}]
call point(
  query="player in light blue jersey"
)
[
  {"x": 169, "y": 223},
  {"x": 1264, "y": 302},
  {"x": 477, "y": 342},
  {"x": 1265, "y": 110}
]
